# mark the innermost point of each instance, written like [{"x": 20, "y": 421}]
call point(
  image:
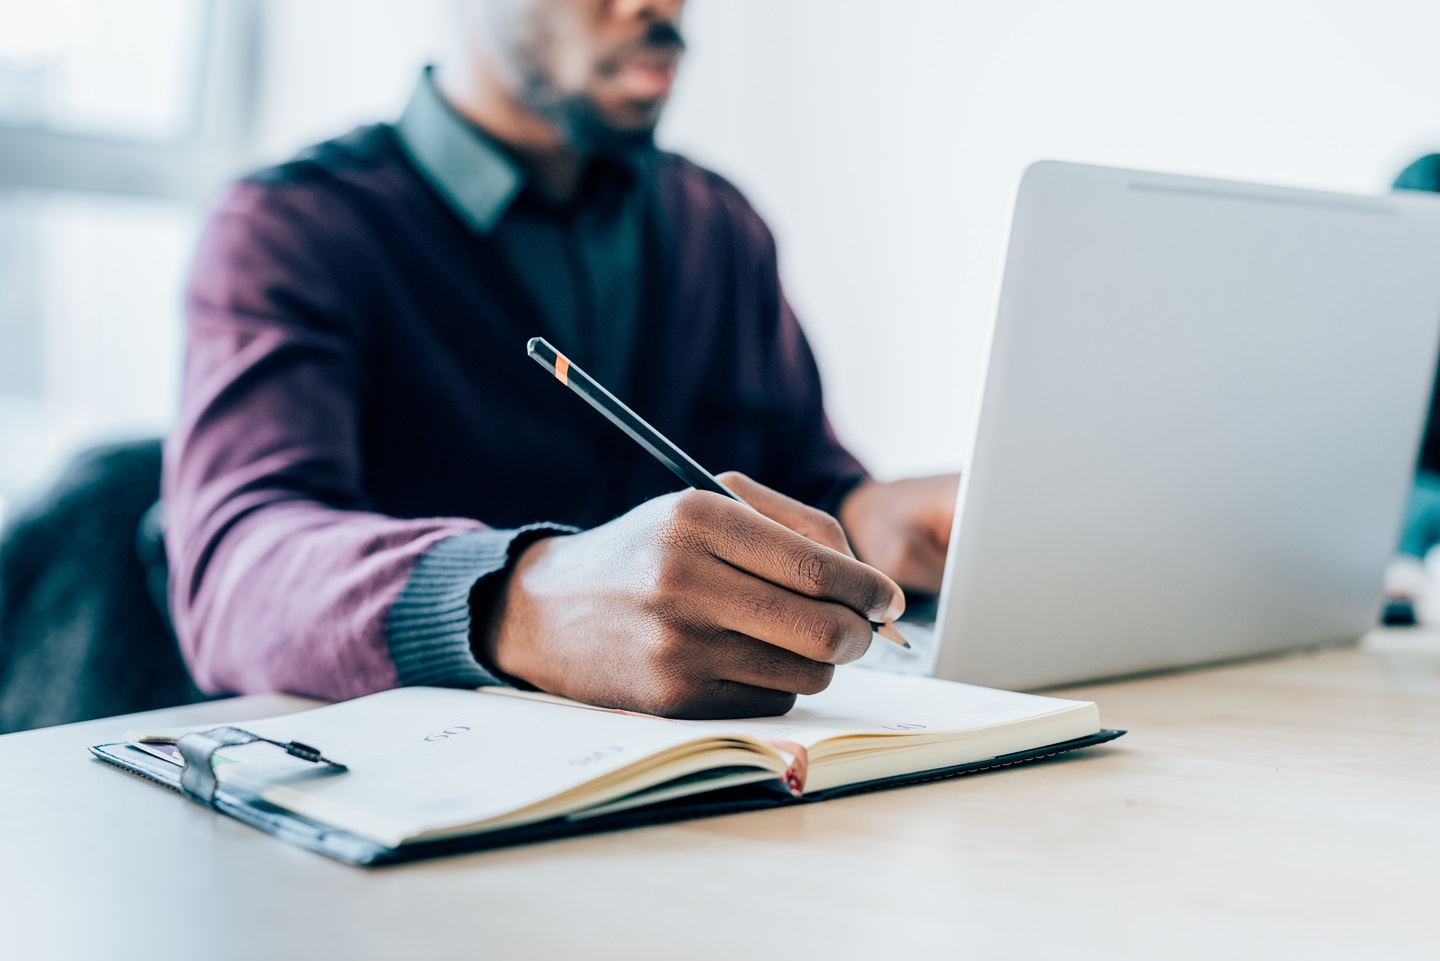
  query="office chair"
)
[{"x": 84, "y": 627}]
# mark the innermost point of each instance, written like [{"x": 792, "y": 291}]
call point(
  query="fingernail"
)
[{"x": 896, "y": 608}]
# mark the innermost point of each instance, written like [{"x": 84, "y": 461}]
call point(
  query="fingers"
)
[
  {"x": 773, "y": 669},
  {"x": 801, "y": 518},
  {"x": 691, "y": 605},
  {"x": 744, "y": 660},
  {"x": 729, "y": 675},
  {"x": 791, "y": 626},
  {"x": 725, "y": 699},
  {"x": 756, "y": 544}
]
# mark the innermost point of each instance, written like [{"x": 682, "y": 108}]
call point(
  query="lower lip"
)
[{"x": 644, "y": 81}]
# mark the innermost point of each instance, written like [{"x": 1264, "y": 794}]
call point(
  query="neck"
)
[{"x": 481, "y": 97}]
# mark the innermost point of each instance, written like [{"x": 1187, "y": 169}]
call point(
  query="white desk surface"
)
[{"x": 1284, "y": 808}]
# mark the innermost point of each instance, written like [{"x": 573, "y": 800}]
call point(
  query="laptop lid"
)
[{"x": 1198, "y": 428}]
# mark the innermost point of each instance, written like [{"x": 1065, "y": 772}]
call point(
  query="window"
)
[
  {"x": 112, "y": 70},
  {"x": 117, "y": 118}
]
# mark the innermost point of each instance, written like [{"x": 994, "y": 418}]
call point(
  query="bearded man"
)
[{"x": 371, "y": 485}]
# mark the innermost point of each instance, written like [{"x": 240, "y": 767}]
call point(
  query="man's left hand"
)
[{"x": 903, "y": 527}]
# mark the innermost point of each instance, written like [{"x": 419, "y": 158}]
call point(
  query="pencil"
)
[{"x": 646, "y": 436}]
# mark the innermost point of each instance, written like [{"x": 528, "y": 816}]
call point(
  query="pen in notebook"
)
[{"x": 646, "y": 436}]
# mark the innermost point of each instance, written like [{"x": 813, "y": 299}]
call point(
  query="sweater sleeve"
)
[{"x": 283, "y": 576}]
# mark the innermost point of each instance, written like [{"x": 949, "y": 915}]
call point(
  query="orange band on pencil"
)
[{"x": 562, "y": 369}]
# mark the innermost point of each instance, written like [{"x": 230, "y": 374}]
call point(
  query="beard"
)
[
  {"x": 577, "y": 116},
  {"x": 580, "y": 120}
]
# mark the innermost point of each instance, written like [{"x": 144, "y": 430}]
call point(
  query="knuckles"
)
[
  {"x": 823, "y": 573},
  {"x": 677, "y": 678},
  {"x": 674, "y": 579},
  {"x": 815, "y": 571},
  {"x": 669, "y": 656},
  {"x": 675, "y": 686},
  {"x": 830, "y": 639},
  {"x": 691, "y": 512},
  {"x": 825, "y": 638},
  {"x": 812, "y": 680}
]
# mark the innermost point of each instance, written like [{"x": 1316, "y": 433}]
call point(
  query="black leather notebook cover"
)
[{"x": 346, "y": 847}]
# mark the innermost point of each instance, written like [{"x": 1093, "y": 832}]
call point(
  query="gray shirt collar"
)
[{"x": 474, "y": 176}]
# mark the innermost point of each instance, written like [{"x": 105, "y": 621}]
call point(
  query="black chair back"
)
[{"x": 81, "y": 571}]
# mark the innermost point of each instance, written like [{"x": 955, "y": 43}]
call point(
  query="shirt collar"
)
[{"x": 473, "y": 175}]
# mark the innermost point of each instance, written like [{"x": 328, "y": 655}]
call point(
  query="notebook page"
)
[
  {"x": 870, "y": 725},
  {"x": 426, "y": 759},
  {"x": 864, "y": 701}
]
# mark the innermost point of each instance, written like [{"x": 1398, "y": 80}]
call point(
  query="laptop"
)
[{"x": 1198, "y": 427}]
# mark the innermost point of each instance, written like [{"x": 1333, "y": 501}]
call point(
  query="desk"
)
[{"x": 1283, "y": 808}]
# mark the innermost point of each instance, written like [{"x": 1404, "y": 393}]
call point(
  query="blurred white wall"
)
[
  {"x": 329, "y": 65},
  {"x": 883, "y": 141}
]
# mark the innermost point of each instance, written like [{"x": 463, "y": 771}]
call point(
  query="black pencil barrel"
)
[
  {"x": 624, "y": 418},
  {"x": 642, "y": 433}
]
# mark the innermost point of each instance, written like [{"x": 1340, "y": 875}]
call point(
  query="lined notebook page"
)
[
  {"x": 864, "y": 701},
  {"x": 424, "y": 759}
]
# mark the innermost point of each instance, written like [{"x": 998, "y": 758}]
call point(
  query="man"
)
[{"x": 370, "y": 484}]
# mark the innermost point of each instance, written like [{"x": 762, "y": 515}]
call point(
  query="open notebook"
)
[{"x": 434, "y": 770}]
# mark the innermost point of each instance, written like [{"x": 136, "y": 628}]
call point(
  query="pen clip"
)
[{"x": 197, "y": 749}]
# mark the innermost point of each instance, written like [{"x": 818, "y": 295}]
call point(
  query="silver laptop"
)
[{"x": 1198, "y": 428}]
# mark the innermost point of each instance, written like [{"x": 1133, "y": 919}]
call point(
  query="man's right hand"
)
[{"x": 691, "y": 605}]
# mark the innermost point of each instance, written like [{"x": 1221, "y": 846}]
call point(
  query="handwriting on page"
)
[
  {"x": 599, "y": 754},
  {"x": 448, "y": 733},
  {"x": 425, "y": 759}
]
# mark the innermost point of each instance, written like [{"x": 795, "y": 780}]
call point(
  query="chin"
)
[
  {"x": 608, "y": 136},
  {"x": 606, "y": 125},
  {"x": 632, "y": 118}
]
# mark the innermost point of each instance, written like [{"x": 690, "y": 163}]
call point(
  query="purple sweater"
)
[{"x": 362, "y": 438}]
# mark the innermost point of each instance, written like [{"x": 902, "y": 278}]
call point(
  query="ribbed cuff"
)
[{"x": 429, "y": 625}]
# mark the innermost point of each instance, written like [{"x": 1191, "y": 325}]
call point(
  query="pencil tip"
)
[{"x": 890, "y": 633}]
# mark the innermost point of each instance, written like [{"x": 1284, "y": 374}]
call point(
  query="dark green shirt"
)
[{"x": 578, "y": 264}]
